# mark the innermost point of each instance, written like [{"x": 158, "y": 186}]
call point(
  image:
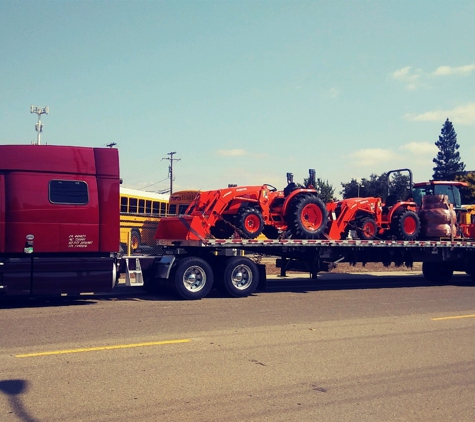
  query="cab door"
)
[{"x": 2, "y": 213}]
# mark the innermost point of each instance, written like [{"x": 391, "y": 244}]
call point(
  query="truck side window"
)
[{"x": 72, "y": 192}]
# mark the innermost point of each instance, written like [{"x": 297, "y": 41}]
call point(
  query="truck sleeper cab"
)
[{"x": 59, "y": 219}]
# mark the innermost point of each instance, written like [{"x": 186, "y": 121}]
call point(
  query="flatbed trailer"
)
[{"x": 193, "y": 268}]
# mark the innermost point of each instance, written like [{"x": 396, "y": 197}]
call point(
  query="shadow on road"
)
[
  {"x": 293, "y": 284},
  {"x": 358, "y": 281},
  {"x": 13, "y": 390}
]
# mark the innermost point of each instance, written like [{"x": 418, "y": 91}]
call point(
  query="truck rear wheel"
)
[
  {"x": 437, "y": 272},
  {"x": 309, "y": 217},
  {"x": 240, "y": 277},
  {"x": 192, "y": 278}
]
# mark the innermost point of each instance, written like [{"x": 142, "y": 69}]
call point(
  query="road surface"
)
[{"x": 385, "y": 347}]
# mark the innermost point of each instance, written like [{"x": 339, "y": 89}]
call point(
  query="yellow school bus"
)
[
  {"x": 140, "y": 212},
  {"x": 180, "y": 200}
]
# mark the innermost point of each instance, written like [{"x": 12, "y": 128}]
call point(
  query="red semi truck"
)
[
  {"x": 59, "y": 219},
  {"x": 59, "y": 233}
]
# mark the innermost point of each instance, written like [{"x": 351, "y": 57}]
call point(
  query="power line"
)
[{"x": 170, "y": 168}]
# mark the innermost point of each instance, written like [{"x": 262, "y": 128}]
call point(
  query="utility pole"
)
[
  {"x": 170, "y": 168},
  {"x": 39, "y": 126}
]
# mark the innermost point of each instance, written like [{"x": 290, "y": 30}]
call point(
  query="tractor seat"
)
[
  {"x": 390, "y": 201},
  {"x": 289, "y": 188}
]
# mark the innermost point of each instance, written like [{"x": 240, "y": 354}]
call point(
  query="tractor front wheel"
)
[
  {"x": 250, "y": 222},
  {"x": 367, "y": 229},
  {"x": 222, "y": 230},
  {"x": 308, "y": 218}
]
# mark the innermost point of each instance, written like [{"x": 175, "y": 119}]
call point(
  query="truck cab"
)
[{"x": 59, "y": 219}]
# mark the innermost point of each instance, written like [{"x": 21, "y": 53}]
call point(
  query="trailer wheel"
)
[
  {"x": 240, "y": 277},
  {"x": 310, "y": 217},
  {"x": 250, "y": 222},
  {"x": 406, "y": 225},
  {"x": 192, "y": 278},
  {"x": 367, "y": 229},
  {"x": 437, "y": 272}
]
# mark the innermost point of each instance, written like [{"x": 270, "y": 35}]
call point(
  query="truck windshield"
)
[{"x": 452, "y": 192}]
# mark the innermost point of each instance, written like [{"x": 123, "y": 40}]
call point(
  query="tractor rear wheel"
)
[
  {"x": 250, "y": 222},
  {"x": 406, "y": 225},
  {"x": 308, "y": 218},
  {"x": 367, "y": 229}
]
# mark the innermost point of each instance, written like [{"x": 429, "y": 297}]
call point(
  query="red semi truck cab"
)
[{"x": 59, "y": 219}]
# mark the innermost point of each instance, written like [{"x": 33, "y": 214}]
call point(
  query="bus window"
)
[
  {"x": 133, "y": 205},
  {"x": 155, "y": 207},
  {"x": 124, "y": 204}
]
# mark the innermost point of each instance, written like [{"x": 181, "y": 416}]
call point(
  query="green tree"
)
[
  {"x": 400, "y": 186},
  {"x": 447, "y": 162},
  {"x": 377, "y": 186},
  {"x": 326, "y": 191},
  {"x": 468, "y": 193},
  {"x": 373, "y": 186}
]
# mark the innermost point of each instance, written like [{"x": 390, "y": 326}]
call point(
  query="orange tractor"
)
[
  {"x": 249, "y": 211},
  {"x": 370, "y": 218}
]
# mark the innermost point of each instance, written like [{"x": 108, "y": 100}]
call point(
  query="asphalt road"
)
[{"x": 342, "y": 348}]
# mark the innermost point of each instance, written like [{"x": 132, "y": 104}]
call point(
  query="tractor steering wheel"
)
[{"x": 270, "y": 187}]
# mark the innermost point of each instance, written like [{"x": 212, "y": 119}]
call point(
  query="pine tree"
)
[{"x": 447, "y": 162}]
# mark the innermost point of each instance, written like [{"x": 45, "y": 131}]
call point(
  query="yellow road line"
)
[
  {"x": 95, "y": 349},
  {"x": 453, "y": 317}
]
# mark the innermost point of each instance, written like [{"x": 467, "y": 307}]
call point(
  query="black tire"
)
[
  {"x": 135, "y": 239},
  {"x": 406, "y": 225},
  {"x": 249, "y": 222},
  {"x": 308, "y": 217},
  {"x": 192, "y": 278},
  {"x": 222, "y": 230},
  {"x": 367, "y": 229},
  {"x": 270, "y": 232},
  {"x": 437, "y": 272},
  {"x": 240, "y": 277}
]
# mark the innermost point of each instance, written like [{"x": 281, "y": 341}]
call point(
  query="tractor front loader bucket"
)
[{"x": 186, "y": 227}]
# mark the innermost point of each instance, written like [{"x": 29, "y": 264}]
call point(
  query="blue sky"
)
[{"x": 243, "y": 91}]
